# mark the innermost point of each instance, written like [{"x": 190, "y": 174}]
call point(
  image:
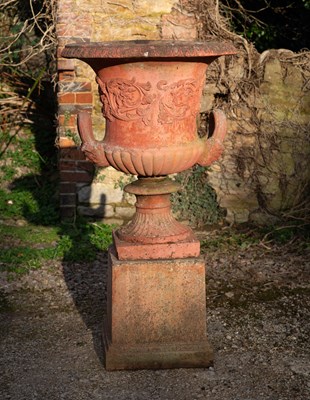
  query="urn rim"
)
[{"x": 148, "y": 49}]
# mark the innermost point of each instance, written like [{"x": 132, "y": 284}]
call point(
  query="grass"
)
[
  {"x": 23, "y": 248},
  {"x": 229, "y": 239},
  {"x": 30, "y": 228},
  {"x": 296, "y": 237}
]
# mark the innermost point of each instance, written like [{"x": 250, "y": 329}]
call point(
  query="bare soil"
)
[{"x": 258, "y": 323}]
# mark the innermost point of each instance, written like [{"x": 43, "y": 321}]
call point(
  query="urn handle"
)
[
  {"x": 213, "y": 146},
  {"x": 92, "y": 148}
]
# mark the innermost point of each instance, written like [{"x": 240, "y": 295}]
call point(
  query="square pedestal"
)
[{"x": 156, "y": 314}]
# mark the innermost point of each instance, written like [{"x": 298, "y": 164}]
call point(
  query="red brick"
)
[
  {"x": 66, "y": 76},
  {"x": 85, "y": 166},
  {"x": 68, "y": 200},
  {"x": 67, "y": 187},
  {"x": 65, "y": 142},
  {"x": 67, "y": 212},
  {"x": 65, "y": 65},
  {"x": 76, "y": 86},
  {"x": 81, "y": 176},
  {"x": 84, "y": 98},
  {"x": 66, "y": 98},
  {"x": 73, "y": 108},
  {"x": 67, "y": 165},
  {"x": 67, "y": 121},
  {"x": 72, "y": 153}
]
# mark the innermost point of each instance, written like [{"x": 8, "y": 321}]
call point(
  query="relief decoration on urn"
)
[
  {"x": 173, "y": 105},
  {"x": 128, "y": 100}
]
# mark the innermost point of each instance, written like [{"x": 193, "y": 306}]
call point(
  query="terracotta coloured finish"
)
[
  {"x": 152, "y": 161},
  {"x": 126, "y": 250},
  {"x": 153, "y": 221},
  {"x": 147, "y": 49},
  {"x": 151, "y": 323},
  {"x": 150, "y": 92}
]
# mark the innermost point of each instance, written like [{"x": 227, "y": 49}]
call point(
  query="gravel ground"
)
[{"x": 258, "y": 323}]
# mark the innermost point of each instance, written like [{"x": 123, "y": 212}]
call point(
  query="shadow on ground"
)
[{"x": 83, "y": 265}]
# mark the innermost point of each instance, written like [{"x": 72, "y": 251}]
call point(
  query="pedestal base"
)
[
  {"x": 152, "y": 356},
  {"x": 137, "y": 251},
  {"x": 156, "y": 315}
]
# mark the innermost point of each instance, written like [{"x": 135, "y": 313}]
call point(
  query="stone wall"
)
[
  {"x": 84, "y": 189},
  {"x": 264, "y": 170}
]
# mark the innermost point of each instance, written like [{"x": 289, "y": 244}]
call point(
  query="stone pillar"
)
[{"x": 74, "y": 94}]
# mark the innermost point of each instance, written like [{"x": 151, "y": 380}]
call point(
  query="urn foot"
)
[{"x": 153, "y": 222}]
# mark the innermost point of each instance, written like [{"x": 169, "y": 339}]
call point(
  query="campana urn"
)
[{"x": 150, "y": 93}]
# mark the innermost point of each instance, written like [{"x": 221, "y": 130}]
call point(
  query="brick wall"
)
[
  {"x": 82, "y": 189},
  {"x": 264, "y": 165}
]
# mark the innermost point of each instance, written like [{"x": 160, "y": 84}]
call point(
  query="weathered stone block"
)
[
  {"x": 180, "y": 26},
  {"x": 100, "y": 193},
  {"x": 124, "y": 212}
]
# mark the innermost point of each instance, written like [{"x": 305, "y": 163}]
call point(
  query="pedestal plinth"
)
[{"x": 156, "y": 315}]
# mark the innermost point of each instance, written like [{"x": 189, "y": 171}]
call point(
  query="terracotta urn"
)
[{"x": 151, "y": 93}]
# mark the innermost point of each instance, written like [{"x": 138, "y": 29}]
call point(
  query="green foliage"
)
[
  {"x": 271, "y": 24},
  {"x": 196, "y": 201},
  {"x": 101, "y": 236},
  {"x": 123, "y": 181},
  {"x": 83, "y": 240},
  {"x": 68, "y": 132},
  {"x": 30, "y": 198},
  {"x": 29, "y": 234},
  {"x": 23, "y": 248},
  {"x": 28, "y": 164},
  {"x": 291, "y": 232},
  {"x": 244, "y": 237},
  {"x": 22, "y": 153},
  {"x": 22, "y": 259},
  {"x": 229, "y": 239},
  {"x": 27, "y": 175}
]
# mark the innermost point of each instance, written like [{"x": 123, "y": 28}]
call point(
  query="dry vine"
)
[
  {"x": 39, "y": 21},
  {"x": 236, "y": 91},
  {"x": 27, "y": 45}
]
